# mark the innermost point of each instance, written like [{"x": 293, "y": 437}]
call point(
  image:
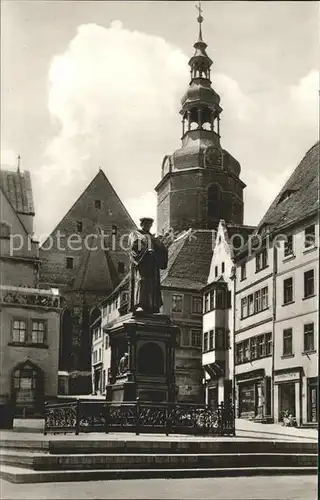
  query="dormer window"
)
[{"x": 286, "y": 195}]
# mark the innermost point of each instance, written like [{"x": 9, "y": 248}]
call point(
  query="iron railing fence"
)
[{"x": 139, "y": 417}]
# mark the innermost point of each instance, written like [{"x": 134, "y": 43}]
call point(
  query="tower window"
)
[
  {"x": 69, "y": 262},
  {"x": 79, "y": 226},
  {"x": 97, "y": 204}
]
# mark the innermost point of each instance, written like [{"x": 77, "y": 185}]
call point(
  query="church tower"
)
[{"x": 200, "y": 181}]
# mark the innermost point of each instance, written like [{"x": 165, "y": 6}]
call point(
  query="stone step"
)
[
  {"x": 19, "y": 475},
  {"x": 160, "y": 461}
]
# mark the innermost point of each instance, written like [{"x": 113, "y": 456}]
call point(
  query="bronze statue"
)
[{"x": 148, "y": 255}]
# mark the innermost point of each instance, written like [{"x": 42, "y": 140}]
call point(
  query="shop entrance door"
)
[
  {"x": 247, "y": 400},
  {"x": 287, "y": 403}
]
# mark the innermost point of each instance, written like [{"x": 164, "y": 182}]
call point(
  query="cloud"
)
[
  {"x": 8, "y": 158},
  {"x": 114, "y": 98}
]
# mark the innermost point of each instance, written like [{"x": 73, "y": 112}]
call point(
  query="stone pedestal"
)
[{"x": 148, "y": 369}]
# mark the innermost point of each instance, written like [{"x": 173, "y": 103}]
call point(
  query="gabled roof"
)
[
  {"x": 17, "y": 187},
  {"x": 97, "y": 271},
  {"x": 299, "y": 197}
]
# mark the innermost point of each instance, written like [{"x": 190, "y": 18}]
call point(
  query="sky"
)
[{"x": 98, "y": 84}]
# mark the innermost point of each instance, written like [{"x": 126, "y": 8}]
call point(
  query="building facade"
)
[
  {"x": 29, "y": 316},
  {"x": 84, "y": 257}
]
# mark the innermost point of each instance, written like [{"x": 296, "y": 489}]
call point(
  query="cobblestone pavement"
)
[{"x": 240, "y": 488}]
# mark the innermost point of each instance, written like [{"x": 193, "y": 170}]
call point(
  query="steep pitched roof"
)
[
  {"x": 97, "y": 271},
  {"x": 299, "y": 197},
  {"x": 189, "y": 260},
  {"x": 17, "y": 187}
]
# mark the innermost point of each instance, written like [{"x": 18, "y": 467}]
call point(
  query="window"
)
[
  {"x": 246, "y": 350},
  {"x": 216, "y": 271},
  {"x": 97, "y": 204},
  {"x": 99, "y": 354},
  {"x": 244, "y": 307},
  {"x": 287, "y": 342},
  {"x": 309, "y": 236},
  {"x": 268, "y": 341},
  {"x": 211, "y": 302},
  {"x": 69, "y": 262},
  {"x": 287, "y": 291},
  {"x": 222, "y": 267},
  {"x": 38, "y": 331},
  {"x": 309, "y": 337},
  {"x": 79, "y": 226},
  {"x": 220, "y": 299},
  {"x": 253, "y": 348},
  {"x": 19, "y": 332},
  {"x": 176, "y": 303},
  {"x": 239, "y": 353},
  {"x": 121, "y": 267},
  {"x": 206, "y": 302},
  {"x": 257, "y": 301},
  {"x": 4, "y": 230},
  {"x": 107, "y": 342},
  {"x": 309, "y": 283},
  {"x": 261, "y": 346},
  {"x": 196, "y": 338},
  {"x": 261, "y": 260},
  {"x": 211, "y": 340},
  {"x": 114, "y": 230},
  {"x": 205, "y": 341},
  {"x": 243, "y": 271},
  {"x": 288, "y": 245},
  {"x": 250, "y": 304},
  {"x": 196, "y": 305},
  {"x": 94, "y": 356},
  {"x": 264, "y": 298}
]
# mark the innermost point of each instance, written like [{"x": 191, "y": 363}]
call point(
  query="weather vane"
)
[{"x": 199, "y": 9}]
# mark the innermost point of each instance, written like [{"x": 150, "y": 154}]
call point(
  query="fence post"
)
[
  {"x": 222, "y": 418},
  {"x": 77, "y": 417},
  {"x": 137, "y": 416},
  {"x": 106, "y": 416},
  {"x": 45, "y": 418}
]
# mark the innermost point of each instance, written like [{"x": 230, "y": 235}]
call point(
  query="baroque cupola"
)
[{"x": 200, "y": 160}]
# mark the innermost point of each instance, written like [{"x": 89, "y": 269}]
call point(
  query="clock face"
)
[{"x": 213, "y": 157}]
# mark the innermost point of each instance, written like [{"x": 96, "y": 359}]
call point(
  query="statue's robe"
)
[{"x": 147, "y": 255}]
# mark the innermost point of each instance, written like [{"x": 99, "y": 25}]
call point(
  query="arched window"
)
[
  {"x": 4, "y": 230},
  {"x": 214, "y": 201},
  {"x": 150, "y": 359}
]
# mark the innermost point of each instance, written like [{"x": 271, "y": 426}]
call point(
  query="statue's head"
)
[{"x": 146, "y": 223}]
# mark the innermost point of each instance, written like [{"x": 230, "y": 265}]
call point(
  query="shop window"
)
[
  {"x": 287, "y": 342},
  {"x": 313, "y": 401},
  {"x": 309, "y": 236},
  {"x": 309, "y": 337},
  {"x": 176, "y": 303},
  {"x": 309, "y": 283},
  {"x": 288, "y": 245},
  {"x": 288, "y": 291}
]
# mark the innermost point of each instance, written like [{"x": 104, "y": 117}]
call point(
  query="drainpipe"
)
[{"x": 274, "y": 305}]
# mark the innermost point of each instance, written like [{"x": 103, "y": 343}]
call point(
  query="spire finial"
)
[
  {"x": 199, "y": 18},
  {"x": 18, "y": 166}
]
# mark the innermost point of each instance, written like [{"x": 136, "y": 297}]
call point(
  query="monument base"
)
[{"x": 149, "y": 343}]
